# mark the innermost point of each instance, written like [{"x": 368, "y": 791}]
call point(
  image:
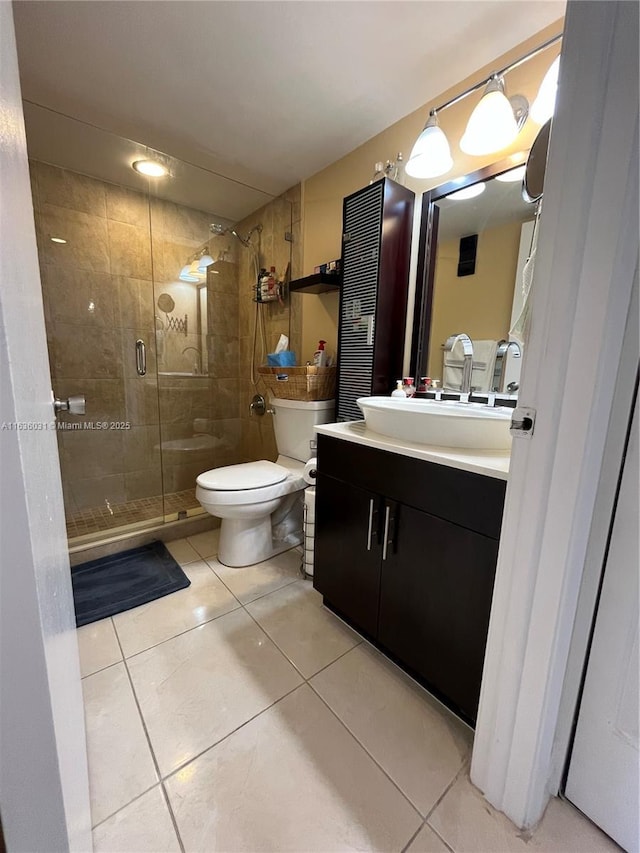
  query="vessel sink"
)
[{"x": 441, "y": 423}]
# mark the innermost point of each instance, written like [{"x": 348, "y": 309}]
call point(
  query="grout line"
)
[
  {"x": 375, "y": 761},
  {"x": 172, "y": 815},
  {"x": 413, "y": 837},
  {"x": 126, "y": 805}
]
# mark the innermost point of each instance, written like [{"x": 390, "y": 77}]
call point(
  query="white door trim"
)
[{"x": 587, "y": 255}]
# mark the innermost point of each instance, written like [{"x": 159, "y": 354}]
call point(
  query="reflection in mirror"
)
[{"x": 475, "y": 245}]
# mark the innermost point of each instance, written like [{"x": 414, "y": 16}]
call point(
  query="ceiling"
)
[{"x": 264, "y": 94}]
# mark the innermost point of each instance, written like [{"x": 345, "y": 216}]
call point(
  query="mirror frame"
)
[{"x": 425, "y": 273}]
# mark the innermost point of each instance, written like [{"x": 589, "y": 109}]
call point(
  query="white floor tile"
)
[
  {"x": 419, "y": 744},
  {"x": 293, "y": 779},
  {"x": 426, "y": 841},
  {"x": 206, "y": 544},
  {"x": 467, "y": 822},
  {"x": 144, "y": 826},
  {"x": 182, "y": 552},
  {"x": 250, "y": 582},
  {"x": 308, "y": 634},
  {"x": 120, "y": 762},
  {"x": 200, "y": 686},
  {"x": 150, "y": 624},
  {"x": 98, "y": 646}
]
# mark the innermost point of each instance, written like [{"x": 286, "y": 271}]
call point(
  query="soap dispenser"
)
[
  {"x": 320, "y": 355},
  {"x": 399, "y": 390}
]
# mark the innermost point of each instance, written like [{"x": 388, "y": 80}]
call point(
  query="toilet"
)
[{"x": 260, "y": 503}]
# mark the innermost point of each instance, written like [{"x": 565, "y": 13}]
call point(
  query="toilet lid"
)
[{"x": 248, "y": 475}]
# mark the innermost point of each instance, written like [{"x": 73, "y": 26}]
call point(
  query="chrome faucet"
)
[
  {"x": 467, "y": 366},
  {"x": 197, "y": 364},
  {"x": 501, "y": 363}
]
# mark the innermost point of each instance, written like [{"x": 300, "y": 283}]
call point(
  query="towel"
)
[{"x": 483, "y": 364}]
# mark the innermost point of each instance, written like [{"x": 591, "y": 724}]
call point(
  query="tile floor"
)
[{"x": 240, "y": 715}]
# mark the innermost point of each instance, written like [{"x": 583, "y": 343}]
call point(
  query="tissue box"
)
[{"x": 286, "y": 358}]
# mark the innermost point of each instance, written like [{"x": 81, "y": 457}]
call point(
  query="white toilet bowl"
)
[{"x": 260, "y": 503}]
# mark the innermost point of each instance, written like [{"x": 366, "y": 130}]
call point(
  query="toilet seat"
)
[{"x": 247, "y": 475}]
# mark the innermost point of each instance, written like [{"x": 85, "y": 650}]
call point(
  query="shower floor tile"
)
[{"x": 112, "y": 516}]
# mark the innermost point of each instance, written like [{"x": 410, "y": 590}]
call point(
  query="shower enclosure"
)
[{"x": 149, "y": 316}]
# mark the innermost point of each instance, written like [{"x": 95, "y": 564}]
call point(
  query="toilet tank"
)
[{"x": 294, "y": 421}]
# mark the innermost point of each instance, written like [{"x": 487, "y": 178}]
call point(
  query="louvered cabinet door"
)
[{"x": 376, "y": 245}]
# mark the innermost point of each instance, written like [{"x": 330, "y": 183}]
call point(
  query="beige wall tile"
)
[
  {"x": 130, "y": 250},
  {"x": 141, "y": 448},
  {"x": 81, "y": 297},
  {"x": 125, "y": 205},
  {"x": 69, "y": 189},
  {"x": 105, "y": 399},
  {"x": 91, "y": 453},
  {"x": 135, "y": 303},
  {"x": 143, "y": 484},
  {"x": 82, "y": 352},
  {"x": 93, "y": 492},
  {"x": 141, "y": 400},
  {"x": 87, "y": 246}
]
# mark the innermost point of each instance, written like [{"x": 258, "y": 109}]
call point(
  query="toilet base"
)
[{"x": 245, "y": 541}]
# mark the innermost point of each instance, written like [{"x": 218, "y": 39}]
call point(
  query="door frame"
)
[{"x": 586, "y": 261}]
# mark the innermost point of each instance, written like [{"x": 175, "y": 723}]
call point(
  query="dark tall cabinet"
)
[{"x": 376, "y": 248}]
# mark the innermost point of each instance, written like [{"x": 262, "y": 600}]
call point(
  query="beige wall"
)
[
  {"x": 324, "y": 192},
  {"x": 478, "y": 304}
]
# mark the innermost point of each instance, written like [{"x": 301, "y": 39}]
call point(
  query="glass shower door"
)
[{"x": 94, "y": 249}]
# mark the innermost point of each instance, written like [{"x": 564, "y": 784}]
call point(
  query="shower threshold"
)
[{"x": 88, "y": 525}]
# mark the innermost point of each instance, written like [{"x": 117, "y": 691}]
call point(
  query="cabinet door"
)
[
  {"x": 347, "y": 551},
  {"x": 435, "y": 599}
]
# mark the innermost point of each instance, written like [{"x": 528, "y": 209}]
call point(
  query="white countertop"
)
[{"x": 491, "y": 463}]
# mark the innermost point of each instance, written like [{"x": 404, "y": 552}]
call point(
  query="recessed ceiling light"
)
[
  {"x": 468, "y": 192},
  {"x": 58, "y": 240},
  {"x": 150, "y": 168},
  {"x": 512, "y": 175}
]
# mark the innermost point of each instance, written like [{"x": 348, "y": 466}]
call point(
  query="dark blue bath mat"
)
[{"x": 112, "y": 584}]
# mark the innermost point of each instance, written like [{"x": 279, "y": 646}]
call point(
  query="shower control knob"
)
[{"x": 75, "y": 405}]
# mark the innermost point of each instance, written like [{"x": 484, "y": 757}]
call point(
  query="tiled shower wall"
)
[{"x": 281, "y": 216}]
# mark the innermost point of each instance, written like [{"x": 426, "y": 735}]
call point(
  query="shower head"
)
[{"x": 218, "y": 229}]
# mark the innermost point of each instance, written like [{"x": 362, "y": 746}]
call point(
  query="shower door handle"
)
[{"x": 141, "y": 357}]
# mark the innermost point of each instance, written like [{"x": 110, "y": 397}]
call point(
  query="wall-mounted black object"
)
[
  {"x": 467, "y": 256},
  {"x": 376, "y": 249}
]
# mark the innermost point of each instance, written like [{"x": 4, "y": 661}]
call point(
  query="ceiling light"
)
[
  {"x": 545, "y": 102},
  {"x": 493, "y": 124},
  {"x": 150, "y": 168},
  {"x": 187, "y": 275},
  {"x": 204, "y": 262},
  {"x": 58, "y": 240},
  {"x": 468, "y": 192},
  {"x": 512, "y": 175},
  {"x": 431, "y": 155}
]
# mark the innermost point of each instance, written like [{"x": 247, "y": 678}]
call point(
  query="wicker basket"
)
[{"x": 300, "y": 383}]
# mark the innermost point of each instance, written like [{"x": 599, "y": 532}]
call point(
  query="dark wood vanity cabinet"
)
[{"x": 417, "y": 584}]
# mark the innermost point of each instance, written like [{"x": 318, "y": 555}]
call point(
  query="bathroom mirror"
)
[{"x": 475, "y": 238}]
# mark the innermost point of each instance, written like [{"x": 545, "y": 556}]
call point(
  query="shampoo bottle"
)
[{"x": 320, "y": 355}]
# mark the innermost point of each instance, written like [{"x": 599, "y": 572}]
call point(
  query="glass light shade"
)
[
  {"x": 431, "y": 155},
  {"x": 187, "y": 275},
  {"x": 512, "y": 175},
  {"x": 468, "y": 192},
  {"x": 492, "y": 125},
  {"x": 545, "y": 102},
  {"x": 150, "y": 168},
  {"x": 204, "y": 262}
]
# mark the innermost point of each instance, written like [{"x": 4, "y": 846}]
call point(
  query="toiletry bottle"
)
[
  {"x": 409, "y": 387},
  {"x": 320, "y": 355},
  {"x": 399, "y": 390}
]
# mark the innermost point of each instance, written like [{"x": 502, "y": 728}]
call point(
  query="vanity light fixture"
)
[
  {"x": 468, "y": 192},
  {"x": 58, "y": 240},
  {"x": 150, "y": 168},
  {"x": 494, "y": 123},
  {"x": 512, "y": 175},
  {"x": 543, "y": 106},
  {"x": 205, "y": 261},
  {"x": 431, "y": 155},
  {"x": 496, "y": 120},
  {"x": 187, "y": 275}
]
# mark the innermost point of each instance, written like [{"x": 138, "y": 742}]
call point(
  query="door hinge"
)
[{"x": 522, "y": 422}]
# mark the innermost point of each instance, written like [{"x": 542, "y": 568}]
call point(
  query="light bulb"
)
[
  {"x": 468, "y": 192},
  {"x": 431, "y": 155},
  {"x": 492, "y": 125},
  {"x": 545, "y": 102},
  {"x": 150, "y": 168},
  {"x": 512, "y": 175},
  {"x": 204, "y": 262},
  {"x": 187, "y": 275}
]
